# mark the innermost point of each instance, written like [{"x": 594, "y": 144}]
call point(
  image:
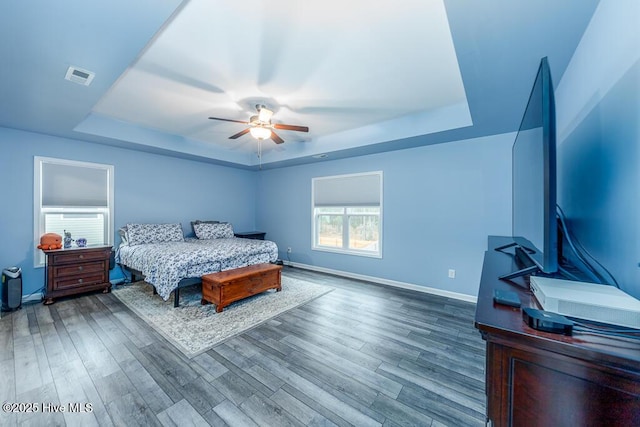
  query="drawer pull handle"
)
[
  {"x": 80, "y": 268},
  {"x": 80, "y": 280},
  {"x": 81, "y": 256}
]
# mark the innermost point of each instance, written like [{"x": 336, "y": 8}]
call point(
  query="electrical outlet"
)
[
  {"x": 452, "y": 273},
  {"x": 289, "y": 250}
]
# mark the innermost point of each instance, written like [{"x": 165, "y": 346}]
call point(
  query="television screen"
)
[{"x": 534, "y": 176}]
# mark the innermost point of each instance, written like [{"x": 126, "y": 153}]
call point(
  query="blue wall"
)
[
  {"x": 439, "y": 204},
  {"x": 598, "y": 110},
  {"x": 148, "y": 188}
]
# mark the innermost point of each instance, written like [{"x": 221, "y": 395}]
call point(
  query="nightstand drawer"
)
[
  {"x": 79, "y": 282},
  {"x": 79, "y": 269},
  {"x": 77, "y": 256}
]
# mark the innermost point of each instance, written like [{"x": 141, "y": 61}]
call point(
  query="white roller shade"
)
[
  {"x": 348, "y": 190},
  {"x": 65, "y": 185}
]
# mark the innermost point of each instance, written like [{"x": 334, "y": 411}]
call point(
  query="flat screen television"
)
[{"x": 535, "y": 232}]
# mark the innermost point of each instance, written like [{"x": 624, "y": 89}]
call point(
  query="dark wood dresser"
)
[
  {"x": 76, "y": 270},
  {"x": 536, "y": 378}
]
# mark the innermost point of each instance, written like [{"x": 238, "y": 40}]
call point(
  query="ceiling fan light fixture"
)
[
  {"x": 260, "y": 126},
  {"x": 264, "y": 114},
  {"x": 259, "y": 132}
]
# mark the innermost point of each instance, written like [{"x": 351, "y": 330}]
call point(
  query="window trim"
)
[
  {"x": 346, "y": 216},
  {"x": 39, "y": 211}
]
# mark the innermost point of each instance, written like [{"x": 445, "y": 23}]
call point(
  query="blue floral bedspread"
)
[{"x": 165, "y": 264}]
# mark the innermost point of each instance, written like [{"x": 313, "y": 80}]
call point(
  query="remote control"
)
[{"x": 509, "y": 298}]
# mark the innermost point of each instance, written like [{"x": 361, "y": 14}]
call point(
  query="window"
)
[
  {"x": 347, "y": 214},
  {"x": 72, "y": 196}
]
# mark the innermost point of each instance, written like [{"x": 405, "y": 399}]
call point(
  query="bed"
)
[{"x": 161, "y": 254}]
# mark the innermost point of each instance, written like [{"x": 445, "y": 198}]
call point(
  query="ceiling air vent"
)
[{"x": 80, "y": 76}]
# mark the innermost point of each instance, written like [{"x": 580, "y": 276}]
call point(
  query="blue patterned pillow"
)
[
  {"x": 139, "y": 234},
  {"x": 205, "y": 231},
  {"x": 197, "y": 221}
]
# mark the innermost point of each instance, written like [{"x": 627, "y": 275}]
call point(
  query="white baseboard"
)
[
  {"x": 33, "y": 298},
  {"x": 40, "y": 296},
  {"x": 387, "y": 282}
]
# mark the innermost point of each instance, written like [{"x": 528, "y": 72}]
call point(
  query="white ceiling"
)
[
  {"x": 331, "y": 69},
  {"x": 364, "y": 76}
]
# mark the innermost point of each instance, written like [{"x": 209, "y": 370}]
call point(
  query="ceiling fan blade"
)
[
  {"x": 290, "y": 127},
  {"x": 229, "y": 120},
  {"x": 276, "y": 138},
  {"x": 239, "y": 134}
]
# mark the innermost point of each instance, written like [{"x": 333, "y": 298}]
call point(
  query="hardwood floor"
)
[{"x": 362, "y": 355}]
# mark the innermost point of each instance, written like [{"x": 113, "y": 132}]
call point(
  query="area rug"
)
[{"x": 194, "y": 328}]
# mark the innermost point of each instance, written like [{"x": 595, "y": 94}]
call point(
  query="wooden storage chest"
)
[{"x": 229, "y": 286}]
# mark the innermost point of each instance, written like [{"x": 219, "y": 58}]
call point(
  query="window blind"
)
[
  {"x": 348, "y": 190},
  {"x": 65, "y": 185}
]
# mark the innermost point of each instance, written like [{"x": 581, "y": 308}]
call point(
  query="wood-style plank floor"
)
[{"x": 361, "y": 355}]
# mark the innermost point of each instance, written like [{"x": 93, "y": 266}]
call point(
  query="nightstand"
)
[
  {"x": 256, "y": 235},
  {"x": 76, "y": 270}
]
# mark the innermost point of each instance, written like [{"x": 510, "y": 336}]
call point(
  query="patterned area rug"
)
[{"x": 194, "y": 328}]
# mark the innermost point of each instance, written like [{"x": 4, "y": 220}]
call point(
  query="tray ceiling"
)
[{"x": 364, "y": 79}]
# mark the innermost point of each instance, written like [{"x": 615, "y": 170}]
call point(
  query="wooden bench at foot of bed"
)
[{"x": 229, "y": 286}]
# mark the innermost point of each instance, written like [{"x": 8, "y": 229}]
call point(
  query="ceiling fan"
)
[{"x": 260, "y": 126}]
